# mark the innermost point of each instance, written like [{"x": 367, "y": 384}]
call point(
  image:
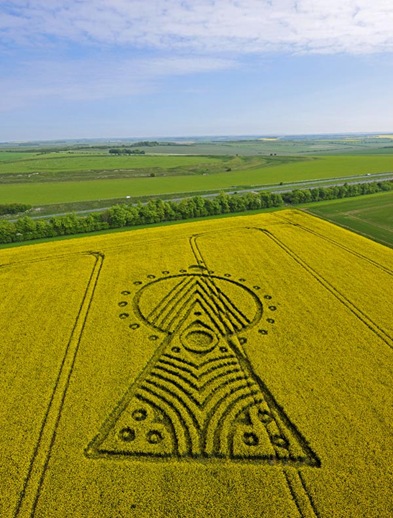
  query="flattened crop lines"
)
[{"x": 144, "y": 372}]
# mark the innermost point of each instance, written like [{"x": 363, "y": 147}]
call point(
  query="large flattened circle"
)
[{"x": 162, "y": 301}]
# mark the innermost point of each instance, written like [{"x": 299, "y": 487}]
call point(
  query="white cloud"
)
[{"x": 241, "y": 26}]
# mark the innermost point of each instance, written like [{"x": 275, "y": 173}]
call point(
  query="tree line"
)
[
  {"x": 26, "y": 228},
  {"x": 335, "y": 192},
  {"x": 13, "y": 208},
  {"x": 125, "y": 151}
]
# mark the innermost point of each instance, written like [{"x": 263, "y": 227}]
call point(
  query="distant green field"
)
[
  {"x": 370, "y": 215},
  {"x": 79, "y": 162},
  {"x": 281, "y": 147},
  {"x": 56, "y": 162},
  {"x": 12, "y": 156},
  {"x": 70, "y": 191}
]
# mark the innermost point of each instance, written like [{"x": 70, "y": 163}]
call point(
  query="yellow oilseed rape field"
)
[{"x": 238, "y": 367}]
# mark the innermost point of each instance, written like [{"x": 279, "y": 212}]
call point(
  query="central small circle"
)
[{"x": 199, "y": 338}]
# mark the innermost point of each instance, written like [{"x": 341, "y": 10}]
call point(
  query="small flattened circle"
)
[
  {"x": 256, "y": 287},
  {"x": 224, "y": 349},
  {"x": 250, "y": 439},
  {"x": 123, "y": 303},
  {"x": 267, "y": 297},
  {"x": 153, "y": 337},
  {"x": 154, "y": 436},
  {"x": 124, "y": 315},
  {"x": 140, "y": 414},
  {"x": 183, "y": 270},
  {"x": 134, "y": 326},
  {"x": 127, "y": 434},
  {"x": 125, "y": 292},
  {"x": 272, "y": 308},
  {"x": 151, "y": 276},
  {"x": 242, "y": 340},
  {"x": 270, "y": 320},
  {"x": 262, "y": 331},
  {"x": 165, "y": 272},
  {"x": 175, "y": 349},
  {"x": 227, "y": 275},
  {"x": 242, "y": 280},
  {"x": 137, "y": 283}
]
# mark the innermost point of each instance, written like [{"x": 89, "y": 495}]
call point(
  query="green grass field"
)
[
  {"x": 19, "y": 163},
  {"x": 14, "y": 156},
  {"x": 317, "y": 168},
  {"x": 58, "y": 162},
  {"x": 371, "y": 216},
  {"x": 78, "y": 166}
]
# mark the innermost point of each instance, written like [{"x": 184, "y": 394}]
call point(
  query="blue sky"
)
[{"x": 151, "y": 68}]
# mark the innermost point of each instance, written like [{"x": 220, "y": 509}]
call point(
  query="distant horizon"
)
[{"x": 174, "y": 138}]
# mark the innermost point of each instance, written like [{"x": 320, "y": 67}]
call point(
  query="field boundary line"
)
[
  {"x": 375, "y": 328},
  {"x": 339, "y": 245},
  {"x": 349, "y": 250},
  {"x": 342, "y": 225},
  {"x": 351, "y": 229},
  {"x": 30, "y": 493}
]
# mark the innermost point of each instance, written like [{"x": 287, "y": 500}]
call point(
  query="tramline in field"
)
[{"x": 243, "y": 364}]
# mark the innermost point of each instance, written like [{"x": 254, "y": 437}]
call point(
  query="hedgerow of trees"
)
[
  {"x": 13, "y": 208},
  {"x": 125, "y": 151},
  {"x": 26, "y": 228}
]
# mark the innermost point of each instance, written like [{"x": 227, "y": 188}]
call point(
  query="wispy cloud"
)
[
  {"x": 240, "y": 26},
  {"x": 89, "y": 79},
  {"x": 180, "y": 65}
]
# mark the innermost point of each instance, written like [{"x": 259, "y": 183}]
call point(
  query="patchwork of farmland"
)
[{"x": 237, "y": 367}]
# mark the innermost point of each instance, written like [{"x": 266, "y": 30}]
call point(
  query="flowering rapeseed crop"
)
[{"x": 237, "y": 367}]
